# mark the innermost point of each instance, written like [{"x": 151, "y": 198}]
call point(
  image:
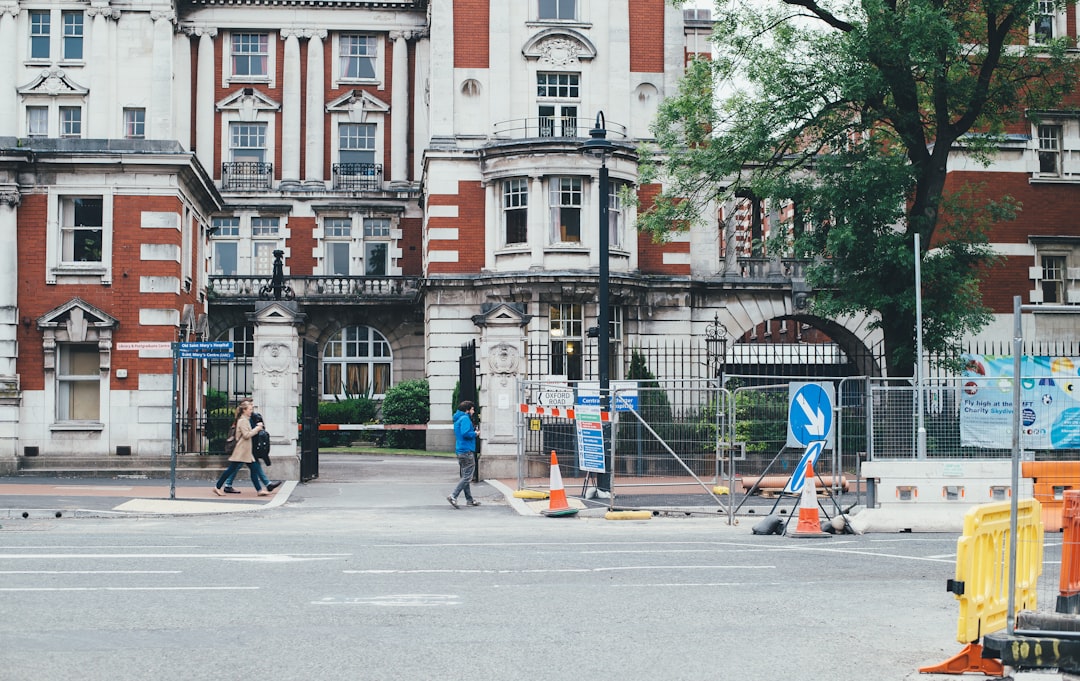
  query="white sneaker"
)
[
  {"x": 603, "y": 494},
  {"x": 590, "y": 492}
]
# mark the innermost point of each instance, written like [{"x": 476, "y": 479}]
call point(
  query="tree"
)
[{"x": 849, "y": 112}]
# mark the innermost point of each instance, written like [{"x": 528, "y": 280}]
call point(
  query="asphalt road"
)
[{"x": 367, "y": 573}]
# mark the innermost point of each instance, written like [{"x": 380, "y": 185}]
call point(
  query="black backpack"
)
[{"x": 260, "y": 444}]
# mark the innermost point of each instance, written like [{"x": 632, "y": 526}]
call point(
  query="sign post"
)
[{"x": 187, "y": 350}]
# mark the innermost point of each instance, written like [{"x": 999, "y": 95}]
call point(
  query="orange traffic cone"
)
[
  {"x": 809, "y": 522},
  {"x": 557, "y": 505}
]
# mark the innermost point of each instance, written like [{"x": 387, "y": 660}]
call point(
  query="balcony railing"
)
[
  {"x": 322, "y": 288},
  {"x": 565, "y": 127},
  {"x": 246, "y": 175},
  {"x": 364, "y": 177}
]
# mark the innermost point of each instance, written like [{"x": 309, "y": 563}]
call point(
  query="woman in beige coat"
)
[{"x": 241, "y": 453}]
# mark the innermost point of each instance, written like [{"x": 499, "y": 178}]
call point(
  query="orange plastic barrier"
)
[
  {"x": 1069, "y": 583},
  {"x": 1051, "y": 480}
]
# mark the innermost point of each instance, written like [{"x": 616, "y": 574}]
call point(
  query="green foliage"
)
[
  {"x": 218, "y": 421},
  {"x": 654, "y": 406},
  {"x": 851, "y": 111},
  {"x": 405, "y": 403},
  {"x": 216, "y": 399},
  {"x": 357, "y": 410}
]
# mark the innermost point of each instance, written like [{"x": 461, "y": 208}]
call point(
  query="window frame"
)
[
  {"x": 345, "y": 61},
  {"x": 566, "y": 327},
  {"x": 36, "y": 36},
  {"x": 33, "y": 108},
  {"x": 225, "y": 235},
  {"x": 1053, "y": 264},
  {"x": 239, "y": 53},
  {"x": 75, "y": 40},
  {"x": 337, "y": 237},
  {"x": 557, "y": 8},
  {"x": 134, "y": 123},
  {"x": 353, "y": 365},
  {"x": 515, "y": 211},
  {"x": 342, "y": 137},
  {"x": 1046, "y": 150},
  {"x": 558, "y": 206},
  {"x": 71, "y": 122},
  {"x": 71, "y": 385}
]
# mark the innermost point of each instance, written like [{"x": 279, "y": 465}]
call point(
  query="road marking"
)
[
  {"x": 214, "y": 556},
  {"x": 396, "y": 600},
  {"x": 101, "y": 546},
  {"x": 133, "y": 588},
  {"x": 533, "y": 571},
  {"x": 90, "y": 572}
]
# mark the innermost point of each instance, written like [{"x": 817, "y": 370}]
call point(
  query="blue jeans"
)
[
  {"x": 256, "y": 472},
  {"x": 467, "y": 464},
  {"x": 230, "y": 473}
]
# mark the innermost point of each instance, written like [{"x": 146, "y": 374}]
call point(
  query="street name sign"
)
[
  {"x": 205, "y": 350},
  {"x": 556, "y": 398}
]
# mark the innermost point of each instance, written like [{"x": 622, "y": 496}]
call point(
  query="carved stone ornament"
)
[
  {"x": 10, "y": 198},
  {"x": 503, "y": 359},
  {"x": 559, "y": 52},
  {"x": 274, "y": 360}
]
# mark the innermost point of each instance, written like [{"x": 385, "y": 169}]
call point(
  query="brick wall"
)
[
  {"x": 469, "y": 222},
  {"x": 651, "y": 255},
  {"x": 301, "y": 246},
  {"x": 471, "y": 25},
  {"x": 647, "y": 36}
]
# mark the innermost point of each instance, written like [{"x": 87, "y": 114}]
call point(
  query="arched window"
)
[
  {"x": 356, "y": 361},
  {"x": 233, "y": 377}
]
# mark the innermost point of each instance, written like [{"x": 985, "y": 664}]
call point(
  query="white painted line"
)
[
  {"x": 134, "y": 588},
  {"x": 397, "y": 601},
  {"x": 102, "y": 546},
  {"x": 90, "y": 572},
  {"x": 212, "y": 556},
  {"x": 626, "y": 568}
]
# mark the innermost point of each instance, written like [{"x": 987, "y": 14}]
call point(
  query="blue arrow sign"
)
[
  {"x": 810, "y": 414},
  {"x": 798, "y": 476}
]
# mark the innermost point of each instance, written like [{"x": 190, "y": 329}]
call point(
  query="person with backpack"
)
[
  {"x": 260, "y": 450},
  {"x": 241, "y": 434},
  {"x": 465, "y": 447}
]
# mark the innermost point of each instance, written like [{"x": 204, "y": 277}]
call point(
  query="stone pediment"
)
[
  {"x": 358, "y": 104},
  {"x": 53, "y": 83},
  {"x": 559, "y": 47},
  {"x": 248, "y": 101},
  {"x": 275, "y": 312},
  {"x": 502, "y": 314},
  {"x": 78, "y": 321}
]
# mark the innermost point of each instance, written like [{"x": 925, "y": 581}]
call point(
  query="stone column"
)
[
  {"x": 10, "y": 396},
  {"x": 290, "y": 113},
  {"x": 204, "y": 100},
  {"x": 399, "y": 110},
  {"x": 502, "y": 363},
  {"x": 316, "y": 112},
  {"x": 8, "y": 97},
  {"x": 160, "y": 115},
  {"x": 276, "y": 373},
  {"x": 101, "y": 119}
]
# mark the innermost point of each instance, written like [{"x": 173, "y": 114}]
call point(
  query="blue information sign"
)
[
  {"x": 205, "y": 350},
  {"x": 810, "y": 414}
]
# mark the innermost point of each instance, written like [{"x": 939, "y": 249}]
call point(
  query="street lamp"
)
[
  {"x": 716, "y": 340},
  {"x": 599, "y": 146}
]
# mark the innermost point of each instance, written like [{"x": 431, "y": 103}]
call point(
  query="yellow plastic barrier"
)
[{"x": 982, "y": 578}]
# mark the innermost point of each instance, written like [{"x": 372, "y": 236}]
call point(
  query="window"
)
[
  {"x": 39, "y": 34},
  {"x": 78, "y": 382},
  {"x": 338, "y": 235},
  {"x": 249, "y": 54},
  {"x": 82, "y": 231},
  {"x": 234, "y": 377},
  {"x": 37, "y": 121},
  {"x": 357, "y": 57},
  {"x": 73, "y": 35},
  {"x": 262, "y": 254},
  {"x": 1053, "y": 280},
  {"x": 557, "y": 119},
  {"x": 135, "y": 123},
  {"x": 565, "y": 204},
  {"x": 248, "y": 142},
  {"x": 516, "y": 211},
  {"x": 225, "y": 250},
  {"x": 356, "y": 142},
  {"x": 376, "y": 253},
  {"x": 70, "y": 121},
  {"x": 565, "y": 10},
  {"x": 564, "y": 328},
  {"x": 616, "y": 214},
  {"x": 356, "y": 361},
  {"x": 1050, "y": 150},
  {"x": 1044, "y": 21}
]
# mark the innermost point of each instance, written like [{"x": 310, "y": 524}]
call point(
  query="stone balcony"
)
[{"x": 318, "y": 289}]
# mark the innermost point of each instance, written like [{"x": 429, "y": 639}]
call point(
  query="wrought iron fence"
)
[
  {"x": 237, "y": 175},
  {"x": 357, "y": 176}
]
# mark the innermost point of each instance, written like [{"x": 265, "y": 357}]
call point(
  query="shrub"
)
[
  {"x": 217, "y": 428},
  {"x": 353, "y": 410},
  {"x": 406, "y": 403}
]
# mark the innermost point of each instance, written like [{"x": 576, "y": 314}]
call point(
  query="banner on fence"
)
[{"x": 1049, "y": 396}]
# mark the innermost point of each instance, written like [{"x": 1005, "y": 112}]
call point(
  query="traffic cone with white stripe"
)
[
  {"x": 557, "y": 505},
  {"x": 809, "y": 522}
]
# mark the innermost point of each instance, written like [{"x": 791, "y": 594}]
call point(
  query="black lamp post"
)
[
  {"x": 716, "y": 340},
  {"x": 600, "y": 147}
]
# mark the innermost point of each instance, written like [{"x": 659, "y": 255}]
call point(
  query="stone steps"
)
[{"x": 188, "y": 467}]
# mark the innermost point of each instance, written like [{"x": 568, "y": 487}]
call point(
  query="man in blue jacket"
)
[{"x": 465, "y": 447}]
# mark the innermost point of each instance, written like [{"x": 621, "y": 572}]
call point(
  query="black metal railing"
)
[
  {"x": 365, "y": 177},
  {"x": 240, "y": 175},
  {"x": 567, "y": 127}
]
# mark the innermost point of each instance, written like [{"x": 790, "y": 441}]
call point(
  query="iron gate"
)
[{"x": 309, "y": 412}]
